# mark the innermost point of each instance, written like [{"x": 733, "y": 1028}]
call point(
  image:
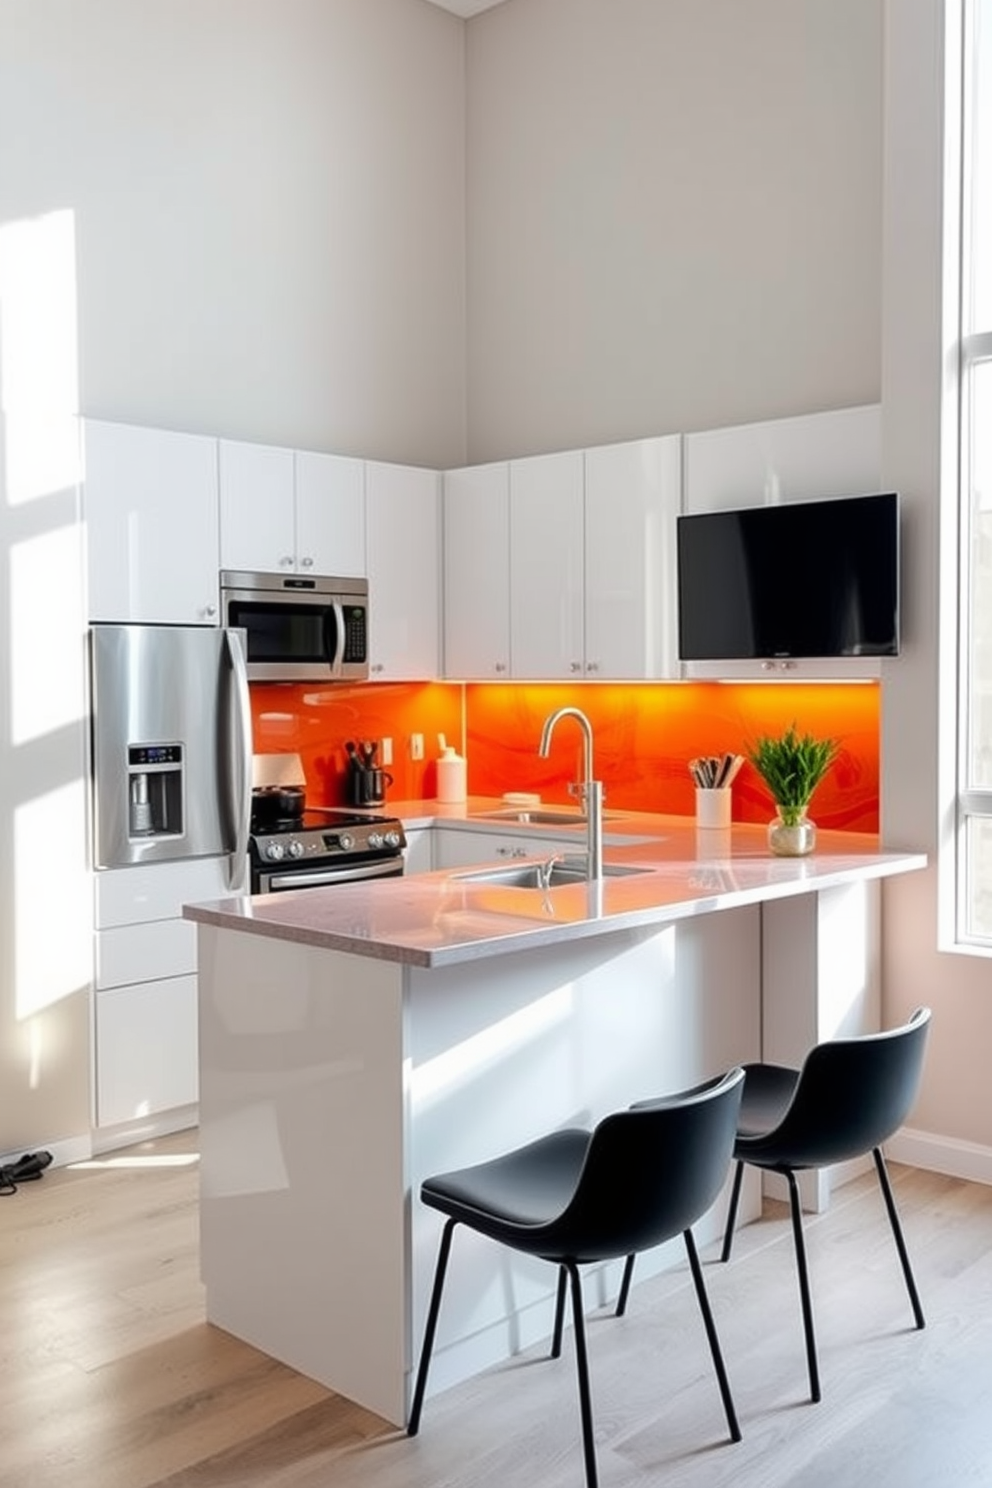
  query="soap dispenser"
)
[{"x": 450, "y": 774}]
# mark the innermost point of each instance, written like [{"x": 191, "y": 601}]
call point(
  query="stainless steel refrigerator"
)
[{"x": 171, "y": 745}]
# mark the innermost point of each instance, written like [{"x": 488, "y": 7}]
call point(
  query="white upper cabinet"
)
[
  {"x": 290, "y": 511},
  {"x": 257, "y": 508},
  {"x": 476, "y": 522},
  {"x": 402, "y": 524},
  {"x": 592, "y": 566},
  {"x": 812, "y": 456},
  {"x": 547, "y": 566},
  {"x": 809, "y": 457},
  {"x": 150, "y": 509},
  {"x": 632, "y": 496},
  {"x": 330, "y": 515}
]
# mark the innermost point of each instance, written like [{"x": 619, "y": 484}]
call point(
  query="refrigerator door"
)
[{"x": 171, "y": 733}]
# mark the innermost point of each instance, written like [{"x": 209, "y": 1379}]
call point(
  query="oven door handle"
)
[{"x": 314, "y": 880}]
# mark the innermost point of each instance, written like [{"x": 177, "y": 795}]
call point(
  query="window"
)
[{"x": 975, "y": 669}]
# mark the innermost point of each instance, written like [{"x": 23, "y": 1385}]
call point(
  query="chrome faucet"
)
[{"x": 588, "y": 790}]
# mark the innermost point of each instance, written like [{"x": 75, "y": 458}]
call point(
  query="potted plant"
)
[{"x": 792, "y": 766}]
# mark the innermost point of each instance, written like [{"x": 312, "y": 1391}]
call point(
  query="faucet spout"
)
[{"x": 589, "y": 791}]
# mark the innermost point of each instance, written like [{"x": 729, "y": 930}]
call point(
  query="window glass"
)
[{"x": 977, "y": 477}]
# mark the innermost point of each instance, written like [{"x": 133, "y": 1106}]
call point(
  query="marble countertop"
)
[{"x": 442, "y": 918}]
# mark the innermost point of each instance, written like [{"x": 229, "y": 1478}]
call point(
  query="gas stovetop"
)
[{"x": 326, "y": 834}]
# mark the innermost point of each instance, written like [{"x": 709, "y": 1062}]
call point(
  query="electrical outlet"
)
[
  {"x": 416, "y": 746},
  {"x": 386, "y": 751}
]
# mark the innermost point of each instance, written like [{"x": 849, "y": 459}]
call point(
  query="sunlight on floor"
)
[{"x": 136, "y": 1160}]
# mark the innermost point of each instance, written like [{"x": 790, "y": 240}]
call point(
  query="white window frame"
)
[{"x": 975, "y": 347}]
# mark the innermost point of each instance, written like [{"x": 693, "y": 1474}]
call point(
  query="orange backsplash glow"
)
[{"x": 645, "y": 734}]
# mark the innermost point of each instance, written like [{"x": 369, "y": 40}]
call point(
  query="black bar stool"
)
[
  {"x": 575, "y": 1196},
  {"x": 849, "y": 1097}
]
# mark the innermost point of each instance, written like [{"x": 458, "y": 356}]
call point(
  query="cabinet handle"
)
[
  {"x": 306, "y": 563},
  {"x": 500, "y": 666},
  {"x": 285, "y": 562},
  {"x": 575, "y": 666},
  {"x": 377, "y": 666},
  {"x": 592, "y": 666},
  {"x": 210, "y": 611}
]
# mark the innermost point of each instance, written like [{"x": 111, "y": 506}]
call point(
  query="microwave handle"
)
[{"x": 336, "y": 658}]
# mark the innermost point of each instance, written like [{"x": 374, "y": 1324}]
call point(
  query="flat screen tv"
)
[{"x": 803, "y": 579}]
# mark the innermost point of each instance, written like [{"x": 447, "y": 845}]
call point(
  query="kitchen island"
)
[{"x": 355, "y": 1039}]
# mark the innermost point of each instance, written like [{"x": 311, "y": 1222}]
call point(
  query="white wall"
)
[
  {"x": 674, "y": 216},
  {"x": 268, "y": 198}
]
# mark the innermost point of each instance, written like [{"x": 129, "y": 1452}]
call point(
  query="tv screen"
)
[{"x": 808, "y": 578}]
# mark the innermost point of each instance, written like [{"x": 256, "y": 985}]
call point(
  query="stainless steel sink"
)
[
  {"x": 540, "y": 816},
  {"x": 540, "y": 876}
]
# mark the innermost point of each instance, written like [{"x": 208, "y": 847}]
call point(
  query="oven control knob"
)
[
  {"x": 346, "y": 840},
  {"x": 295, "y": 849},
  {"x": 275, "y": 851},
  {"x": 392, "y": 839},
  {"x": 375, "y": 839}
]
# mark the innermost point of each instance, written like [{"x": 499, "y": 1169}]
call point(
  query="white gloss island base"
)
[{"x": 355, "y": 1040}]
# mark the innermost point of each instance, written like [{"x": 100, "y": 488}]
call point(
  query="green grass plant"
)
[{"x": 792, "y": 766}]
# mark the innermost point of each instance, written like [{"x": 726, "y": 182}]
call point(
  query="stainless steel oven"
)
[
  {"x": 299, "y": 628},
  {"x": 322, "y": 847}
]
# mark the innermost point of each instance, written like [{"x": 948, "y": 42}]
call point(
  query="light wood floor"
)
[{"x": 110, "y": 1376}]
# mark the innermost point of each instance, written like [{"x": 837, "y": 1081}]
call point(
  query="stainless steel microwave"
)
[{"x": 298, "y": 627}]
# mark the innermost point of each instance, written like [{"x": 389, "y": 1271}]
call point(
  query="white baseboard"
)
[
  {"x": 109, "y": 1138},
  {"x": 947, "y": 1155},
  {"x": 69, "y": 1150}
]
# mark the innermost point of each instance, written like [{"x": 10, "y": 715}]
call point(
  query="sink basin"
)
[
  {"x": 541, "y": 816},
  {"x": 530, "y": 875}
]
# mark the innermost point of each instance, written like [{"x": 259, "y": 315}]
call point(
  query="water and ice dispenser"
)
[{"x": 155, "y": 790}]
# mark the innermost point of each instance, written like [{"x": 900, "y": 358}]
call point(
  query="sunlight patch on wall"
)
[
  {"x": 52, "y": 913},
  {"x": 46, "y": 632},
  {"x": 462, "y": 1062}
]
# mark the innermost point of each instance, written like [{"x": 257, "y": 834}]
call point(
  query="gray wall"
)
[
  {"x": 674, "y": 216},
  {"x": 269, "y": 201}
]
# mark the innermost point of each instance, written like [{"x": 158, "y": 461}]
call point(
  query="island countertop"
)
[{"x": 443, "y": 917}]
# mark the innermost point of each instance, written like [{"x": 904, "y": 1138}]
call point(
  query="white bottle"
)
[{"x": 450, "y": 776}]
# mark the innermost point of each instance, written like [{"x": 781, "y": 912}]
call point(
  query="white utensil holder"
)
[{"x": 713, "y": 807}]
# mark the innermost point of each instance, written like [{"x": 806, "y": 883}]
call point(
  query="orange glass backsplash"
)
[{"x": 645, "y": 734}]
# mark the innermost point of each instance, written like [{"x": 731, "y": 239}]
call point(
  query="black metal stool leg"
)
[
  {"x": 795, "y": 1205},
  {"x": 582, "y": 1368},
  {"x": 444, "y": 1251},
  {"x": 628, "y": 1271},
  {"x": 890, "y": 1204},
  {"x": 559, "y": 1312},
  {"x": 735, "y": 1198},
  {"x": 714, "y": 1342}
]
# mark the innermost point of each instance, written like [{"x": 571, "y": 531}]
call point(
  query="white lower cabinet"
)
[
  {"x": 145, "y": 999},
  {"x": 419, "y": 855},
  {"x": 457, "y": 849},
  {"x": 146, "y": 1049}
]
